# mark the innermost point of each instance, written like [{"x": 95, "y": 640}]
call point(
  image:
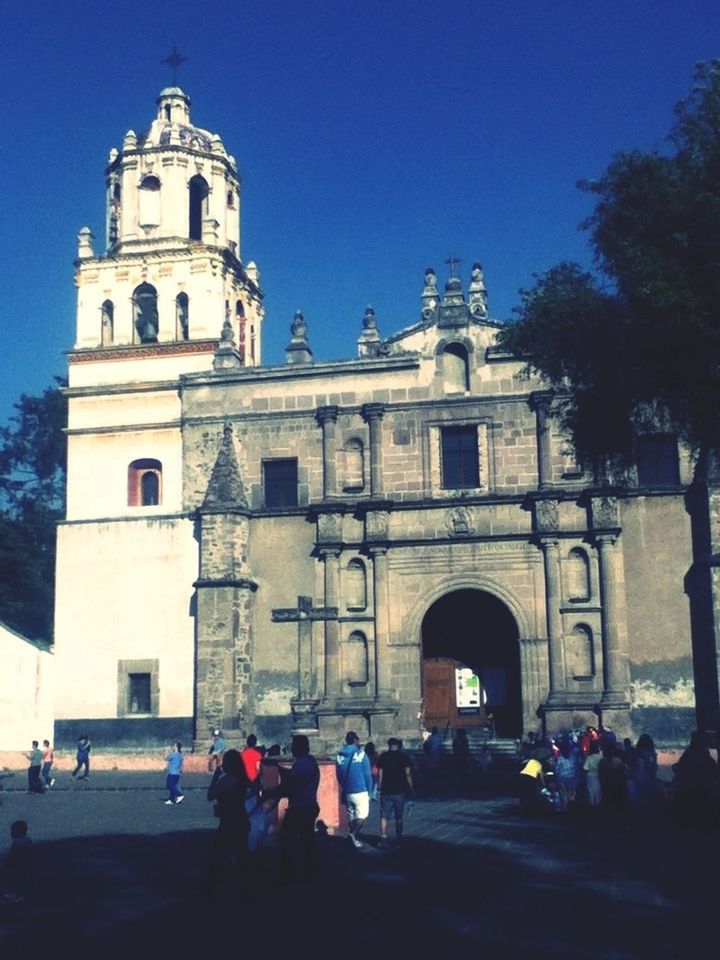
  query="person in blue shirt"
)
[
  {"x": 174, "y": 769},
  {"x": 354, "y": 775}
]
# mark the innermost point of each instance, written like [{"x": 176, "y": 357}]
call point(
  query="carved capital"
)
[
  {"x": 372, "y": 411},
  {"x": 376, "y": 526},
  {"x": 546, "y": 515},
  {"x": 329, "y": 553},
  {"x": 604, "y": 512},
  {"x": 541, "y": 401},
  {"x": 327, "y": 414}
]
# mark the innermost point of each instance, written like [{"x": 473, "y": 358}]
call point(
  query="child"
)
[
  {"x": 18, "y": 862},
  {"x": 216, "y": 751},
  {"x": 174, "y": 769}
]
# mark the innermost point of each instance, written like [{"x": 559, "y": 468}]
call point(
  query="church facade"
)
[{"x": 381, "y": 543}]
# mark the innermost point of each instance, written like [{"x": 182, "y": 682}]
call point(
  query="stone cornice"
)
[
  {"x": 157, "y": 250},
  {"x": 140, "y": 351},
  {"x": 296, "y": 372}
]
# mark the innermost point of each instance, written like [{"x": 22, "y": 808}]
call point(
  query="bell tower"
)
[{"x": 171, "y": 273}]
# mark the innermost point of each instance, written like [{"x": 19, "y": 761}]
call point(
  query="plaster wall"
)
[
  {"x": 124, "y": 592},
  {"x": 26, "y": 692}
]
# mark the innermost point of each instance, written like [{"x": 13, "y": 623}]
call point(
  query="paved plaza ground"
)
[{"x": 119, "y": 874}]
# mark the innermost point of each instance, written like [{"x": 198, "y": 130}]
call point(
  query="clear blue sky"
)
[{"x": 374, "y": 139}]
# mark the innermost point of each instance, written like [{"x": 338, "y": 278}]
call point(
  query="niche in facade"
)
[
  {"x": 356, "y": 585},
  {"x": 353, "y": 479},
  {"x": 107, "y": 323},
  {"x": 579, "y": 653},
  {"x": 455, "y": 368},
  {"x": 577, "y": 574},
  {"x": 355, "y": 660}
]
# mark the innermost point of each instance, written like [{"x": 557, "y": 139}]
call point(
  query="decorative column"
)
[
  {"x": 327, "y": 418},
  {"x": 372, "y": 414},
  {"x": 540, "y": 402},
  {"x": 331, "y": 560},
  {"x": 605, "y": 519},
  {"x": 546, "y": 525},
  {"x": 556, "y": 646},
  {"x": 381, "y": 595},
  {"x": 615, "y": 662}
]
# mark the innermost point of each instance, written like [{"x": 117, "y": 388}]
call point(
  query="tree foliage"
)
[
  {"x": 32, "y": 500},
  {"x": 638, "y": 344}
]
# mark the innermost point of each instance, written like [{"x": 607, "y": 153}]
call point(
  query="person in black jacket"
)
[{"x": 228, "y": 789}]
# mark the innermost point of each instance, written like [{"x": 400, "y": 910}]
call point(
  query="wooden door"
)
[{"x": 439, "y": 696}]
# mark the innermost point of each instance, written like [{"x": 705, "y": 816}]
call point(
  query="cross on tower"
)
[
  {"x": 452, "y": 261},
  {"x": 303, "y": 615},
  {"x": 173, "y": 61}
]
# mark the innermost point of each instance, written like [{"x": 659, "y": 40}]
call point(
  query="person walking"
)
[
  {"x": 592, "y": 774},
  {"x": 35, "y": 758},
  {"x": 48, "y": 759},
  {"x": 433, "y": 748},
  {"x": 395, "y": 784},
  {"x": 461, "y": 753},
  {"x": 175, "y": 761},
  {"x": 228, "y": 790},
  {"x": 82, "y": 757},
  {"x": 297, "y": 833},
  {"x": 355, "y": 778}
]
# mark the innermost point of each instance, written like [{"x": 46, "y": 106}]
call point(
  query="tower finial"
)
[
  {"x": 174, "y": 60},
  {"x": 452, "y": 262}
]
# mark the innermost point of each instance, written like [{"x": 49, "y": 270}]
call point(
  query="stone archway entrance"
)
[{"x": 471, "y": 629}]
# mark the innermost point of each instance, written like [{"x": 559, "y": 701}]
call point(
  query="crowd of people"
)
[
  {"x": 594, "y": 770},
  {"x": 584, "y": 769}
]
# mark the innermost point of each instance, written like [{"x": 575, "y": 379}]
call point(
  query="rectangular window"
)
[
  {"x": 459, "y": 452},
  {"x": 139, "y": 693},
  {"x": 280, "y": 479},
  {"x": 657, "y": 460}
]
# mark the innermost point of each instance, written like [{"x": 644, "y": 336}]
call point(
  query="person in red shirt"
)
[{"x": 251, "y": 758}]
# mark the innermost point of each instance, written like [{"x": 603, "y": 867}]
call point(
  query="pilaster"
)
[
  {"x": 372, "y": 414},
  {"x": 327, "y": 419}
]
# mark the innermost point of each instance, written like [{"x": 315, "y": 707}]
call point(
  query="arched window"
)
[
  {"x": 580, "y": 653},
  {"x": 578, "y": 575},
  {"x": 240, "y": 324},
  {"x": 144, "y": 483},
  {"x": 149, "y": 208},
  {"x": 145, "y": 313},
  {"x": 199, "y": 191},
  {"x": 355, "y": 660},
  {"x": 107, "y": 321},
  {"x": 354, "y": 466},
  {"x": 231, "y": 198},
  {"x": 455, "y": 368},
  {"x": 356, "y": 585},
  {"x": 182, "y": 317},
  {"x": 168, "y": 113}
]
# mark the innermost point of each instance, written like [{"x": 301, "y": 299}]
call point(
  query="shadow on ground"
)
[{"x": 511, "y": 888}]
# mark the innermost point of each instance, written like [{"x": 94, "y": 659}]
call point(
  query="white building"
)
[{"x": 26, "y": 692}]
